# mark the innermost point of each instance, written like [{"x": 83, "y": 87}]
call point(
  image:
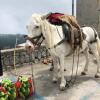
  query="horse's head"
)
[
  {"x": 33, "y": 26},
  {"x": 34, "y": 31}
]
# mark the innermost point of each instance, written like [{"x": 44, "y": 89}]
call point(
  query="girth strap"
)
[{"x": 62, "y": 41}]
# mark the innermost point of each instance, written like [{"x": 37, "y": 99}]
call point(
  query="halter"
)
[{"x": 36, "y": 40}]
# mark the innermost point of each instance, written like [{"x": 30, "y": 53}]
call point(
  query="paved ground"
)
[{"x": 85, "y": 87}]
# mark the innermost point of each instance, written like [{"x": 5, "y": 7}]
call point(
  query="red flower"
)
[
  {"x": 2, "y": 89},
  {"x": 18, "y": 84}
]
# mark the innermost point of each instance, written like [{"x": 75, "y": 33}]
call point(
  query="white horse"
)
[{"x": 53, "y": 34}]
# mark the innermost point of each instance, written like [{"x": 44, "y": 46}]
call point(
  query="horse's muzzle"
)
[{"x": 29, "y": 46}]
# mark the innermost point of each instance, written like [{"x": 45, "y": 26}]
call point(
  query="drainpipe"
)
[
  {"x": 72, "y": 7},
  {"x": 98, "y": 17}
]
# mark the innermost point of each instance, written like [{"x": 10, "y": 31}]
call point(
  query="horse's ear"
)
[{"x": 45, "y": 16}]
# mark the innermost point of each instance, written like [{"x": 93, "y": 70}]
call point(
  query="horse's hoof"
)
[
  {"x": 63, "y": 85},
  {"x": 95, "y": 61},
  {"x": 97, "y": 76},
  {"x": 83, "y": 73},
  {"x": 45, "y": 61},
  {"x": 65, "y": 69},
  {"x": 62, "y": 88},
  {"x": 54, "y": 80},
  {"x": 51, "y": 69}
]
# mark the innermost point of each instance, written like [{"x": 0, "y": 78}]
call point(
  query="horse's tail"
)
[
  {"x": 98, "y": 45},
  {"x": 98, "y": 40}
]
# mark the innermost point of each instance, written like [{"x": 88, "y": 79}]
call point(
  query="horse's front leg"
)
[
  {"x": 63, "y": 81},
  {"x": 52, "y": 66},
  {"x": 56, "y": 69}
]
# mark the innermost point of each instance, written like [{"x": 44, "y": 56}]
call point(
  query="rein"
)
[
  {"x": 63, "y": 40},
  {"x": 73, "y": 78}
]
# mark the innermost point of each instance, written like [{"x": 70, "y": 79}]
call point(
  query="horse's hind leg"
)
[
  {"x": 97, "y": 75},
  {"x": 84, "y": 72},
  {"x": 96, "y": 55}
]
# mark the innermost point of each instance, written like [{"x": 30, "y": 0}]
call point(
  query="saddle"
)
[{"x": 70, "y": 26}]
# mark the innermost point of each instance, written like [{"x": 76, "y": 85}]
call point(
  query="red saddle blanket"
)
[{"x": 53, "y": 18}]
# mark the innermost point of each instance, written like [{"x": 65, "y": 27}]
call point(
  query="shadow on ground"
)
[{"x": 45, "y": 87}]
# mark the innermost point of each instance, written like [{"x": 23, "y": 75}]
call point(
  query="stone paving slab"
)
[{"x": 85, "y": 87}]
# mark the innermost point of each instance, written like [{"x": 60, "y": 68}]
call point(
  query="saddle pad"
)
[{"x": 53, "y": 18}]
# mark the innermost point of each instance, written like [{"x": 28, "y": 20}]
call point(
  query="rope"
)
[
  {"x": 77, "y": 66},
  {"x": 16, "y": 74},
  {"x": 73, "y": 80},
  {"x": 33, "y": 79},
  {"x": 69, "y": 82}
]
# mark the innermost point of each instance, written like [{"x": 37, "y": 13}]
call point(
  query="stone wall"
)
[{"x": 22, "y": 57}]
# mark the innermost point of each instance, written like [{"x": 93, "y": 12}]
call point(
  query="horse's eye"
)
[{"x": 36, "y": 26}]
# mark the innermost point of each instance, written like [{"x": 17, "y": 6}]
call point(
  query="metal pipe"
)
[
  {"x": 98, "y": 16},
  {"x": 72, "y": 7}
]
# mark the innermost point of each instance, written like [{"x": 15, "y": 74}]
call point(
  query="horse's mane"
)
[
  {"x": 47, "y": 31},
  {"x": 36, "y": 15},
  {"x": 52, "y": 32}
]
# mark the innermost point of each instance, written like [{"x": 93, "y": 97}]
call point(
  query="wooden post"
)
[
  {"x": 15, "y": 57},
  {"x": 1, "y": 69}
]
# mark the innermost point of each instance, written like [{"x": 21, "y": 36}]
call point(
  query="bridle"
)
[{"x": 37, "y": 40}]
